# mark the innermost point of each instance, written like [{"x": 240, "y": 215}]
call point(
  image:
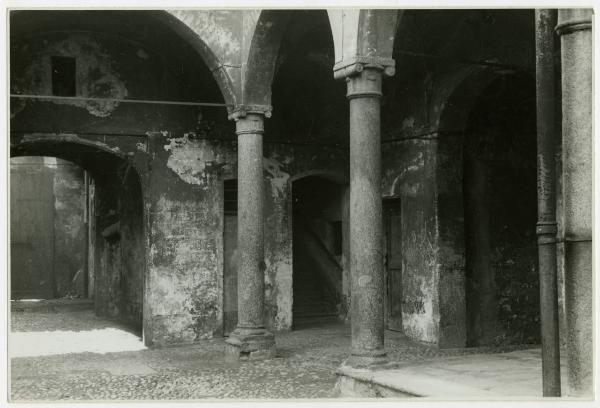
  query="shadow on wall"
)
[{"x": 500, "y": 208}]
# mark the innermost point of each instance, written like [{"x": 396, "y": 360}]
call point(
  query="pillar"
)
[
  {"x": 366, "y": 246},
  {"x": 575, "y": 30},
  {"x": 546, "y": 227},
  {"x": 250, "y": 339}
]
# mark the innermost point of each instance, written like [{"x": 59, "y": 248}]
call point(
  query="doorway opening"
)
[
  {"x": 392, "y": 230},
  {"x": 77, "y": 255},
  {"x": 319, "y": 228},
  {"x": 230, "y": 277}
]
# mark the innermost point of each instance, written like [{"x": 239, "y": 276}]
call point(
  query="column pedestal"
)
[{"x": 250, "y": 339}]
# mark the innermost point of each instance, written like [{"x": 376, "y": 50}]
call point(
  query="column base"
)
[
  {"x": 370, "y": 359},
  {"x": 253, "y": 344}
]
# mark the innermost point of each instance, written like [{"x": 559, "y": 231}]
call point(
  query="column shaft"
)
[
  {"x": 574, "y": 27},
  {"x": 250, "y": 337},
  {"x": 366, "y": 259},
  {"x": 545, "y": 21},
  {"x": 250, "y": 265}
]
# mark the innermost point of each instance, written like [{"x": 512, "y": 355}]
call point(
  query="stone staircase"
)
[
  {"x": 313, "y": 306},
  {"x": 314, "y": 299}
]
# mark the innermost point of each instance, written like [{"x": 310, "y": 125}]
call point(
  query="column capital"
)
[
  {"x": 250, "y": 123},
  {"x": 570, "y": 20},
  {"x": 241, "y": 111},
  {"x": 365, "y": 84},
  {"x": 357, "y": 64}
]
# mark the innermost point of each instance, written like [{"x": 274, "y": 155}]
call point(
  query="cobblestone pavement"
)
[{"x": 304, "y": 367}]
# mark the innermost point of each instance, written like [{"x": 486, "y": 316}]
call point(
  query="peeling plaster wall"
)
[
  {"x": 95, "y": 75},
  {"x": 158, "y": 197},
  {"x": 408, "y": 168},
  {"x": 184, "y": 210},
  {"x": 185, "y": 217}
]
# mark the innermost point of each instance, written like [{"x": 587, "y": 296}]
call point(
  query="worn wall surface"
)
[
  {"x": 425, "y": 109},
  {"x": 114, "y": 142},
  {"x": 408, "y": 169}
]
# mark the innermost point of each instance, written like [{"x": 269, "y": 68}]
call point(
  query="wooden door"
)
[
  {"x": 31, "y": 231},
  {"x": 393, "y": 264}
]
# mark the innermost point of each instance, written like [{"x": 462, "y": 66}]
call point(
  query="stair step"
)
[{"x": 300, "y": 322}]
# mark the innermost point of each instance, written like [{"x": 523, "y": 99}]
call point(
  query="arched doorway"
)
[
  {"x": 499, "y": 192},
  {"x": 319, "y": 227},
  {"x": 92, "y": 229}
]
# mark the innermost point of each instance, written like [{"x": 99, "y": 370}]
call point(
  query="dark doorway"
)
[
  {"x": 230, "y": 277},
  {"x": 499, "y": 187},
  {"x": 318, "y": 231},
  {"x": 392, "y": 228}
]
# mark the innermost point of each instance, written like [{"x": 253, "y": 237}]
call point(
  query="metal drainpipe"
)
[{"x": 545, "y": 21}]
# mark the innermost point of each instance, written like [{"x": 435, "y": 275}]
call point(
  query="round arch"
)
[
  {"x": 473, "y": 153},
  {"x": 332, "y": 175},
  {"x": 26, "y": 22},
  {"x": 206, "y": 53},
  {"x": 263, "y": 56},
  {"x": 116, "y": 243}
]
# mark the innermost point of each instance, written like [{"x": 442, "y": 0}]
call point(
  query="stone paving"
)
[{"x": 304, "y": 367}]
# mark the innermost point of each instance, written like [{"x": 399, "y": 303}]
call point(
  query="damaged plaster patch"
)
[
  {"x": 194, "y": 161},
  {"x": 278, "y": 178},
  {"x": 50, "y": 162},
  {"x": 142, "y": 147},
  {"x": 95, "y": 76}
]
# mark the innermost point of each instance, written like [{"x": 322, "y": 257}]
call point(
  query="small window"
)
[
  {"x": 230, "y": 196},
  {"x": 336, "y": 227},
  {"x": 63, "y": 76}
]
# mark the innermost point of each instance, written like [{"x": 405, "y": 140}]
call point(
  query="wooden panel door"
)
[
  {"x": 230, "y": 278},
  {"x": 32, "y": 232},
  {"x": 393, "y": 264}
]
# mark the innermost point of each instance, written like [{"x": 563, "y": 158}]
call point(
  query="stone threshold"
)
[
  {"x": 403, "y": 383},
  {"x": 500, "y": 376}
]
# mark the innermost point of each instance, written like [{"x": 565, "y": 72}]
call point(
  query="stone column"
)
[
  {"x": 250, "y": 339},
  {"x": 575, "y": 29},
  {"x": 366, "y": 246}
]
